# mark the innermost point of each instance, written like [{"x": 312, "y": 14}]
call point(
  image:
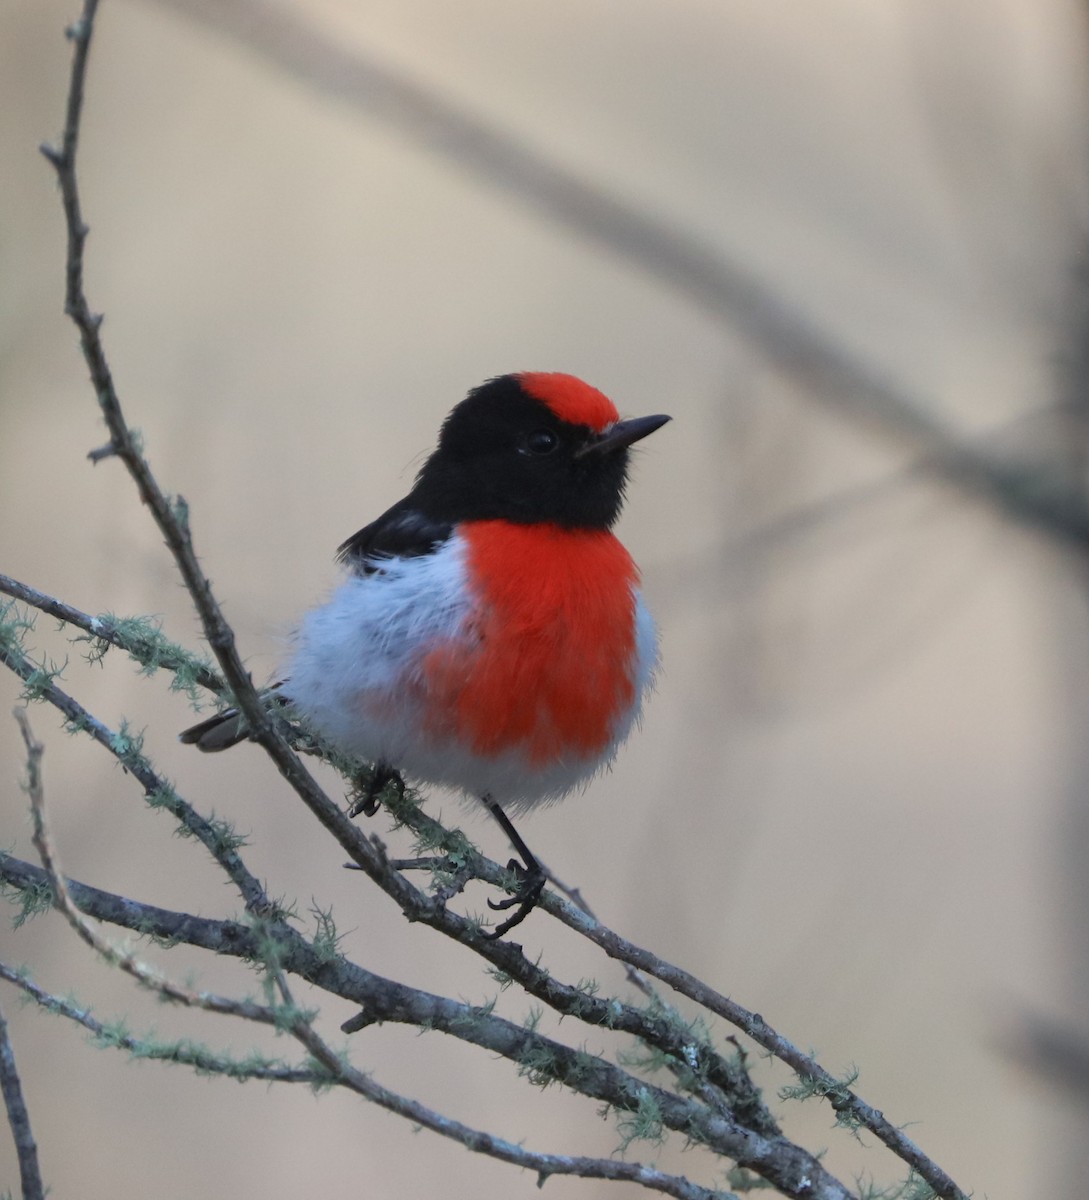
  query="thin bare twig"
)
[{"x": 30, "y": 1176}]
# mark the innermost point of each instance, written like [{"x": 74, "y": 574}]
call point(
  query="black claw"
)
[
  {"x": 369, "y": 799},
  {"x": 528, "y": 881},
  {"x": 525, "y": 898}
]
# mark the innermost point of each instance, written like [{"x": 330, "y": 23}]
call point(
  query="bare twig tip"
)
[
  {"x": 359, "y": 1021},
  {"x": 107, "y": 451},
  {"x": 55, "y": 156}
]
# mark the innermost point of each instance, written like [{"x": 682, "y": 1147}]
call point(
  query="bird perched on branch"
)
[{"x": 491, "y": 635}]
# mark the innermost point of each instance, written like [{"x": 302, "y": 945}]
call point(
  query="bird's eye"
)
[{"x": 541, "y": 441}]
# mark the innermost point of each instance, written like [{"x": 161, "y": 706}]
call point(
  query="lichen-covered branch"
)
[
  {"x": 126, "y": 748},
  {"x": 545, "y": 1060},
  {"x": 138, "y": 637},
  {"x": 181, "y": 1052},
  {"x": 204, "y": 1061}
]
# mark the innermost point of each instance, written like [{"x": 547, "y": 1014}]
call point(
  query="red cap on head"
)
[{"x": 570, "y": 399}]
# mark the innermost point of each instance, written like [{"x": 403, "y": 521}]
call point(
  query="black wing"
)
[{"x": 402, "y": 531}]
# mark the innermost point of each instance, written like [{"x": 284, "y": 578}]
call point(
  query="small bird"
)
[{"x": 491, "y": 635}]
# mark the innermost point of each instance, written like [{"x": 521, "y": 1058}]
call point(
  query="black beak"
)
[{"x": 622, "y": 434}]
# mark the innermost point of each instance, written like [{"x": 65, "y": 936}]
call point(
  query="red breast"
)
[{"x": 547, "y": 662}]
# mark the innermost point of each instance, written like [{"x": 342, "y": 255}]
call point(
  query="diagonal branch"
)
[
  {"x": 205, "y": 1062},
  {"x": 336, "y": 1069},
  {"x": 543, "y": 1164},
  {"x": 696, "y": 268},
  {"x": 540, "y": 984},
  {"x": 843, "y": 1100}
]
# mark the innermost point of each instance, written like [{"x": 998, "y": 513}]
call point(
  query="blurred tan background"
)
[{"x": 857, "y": 805}]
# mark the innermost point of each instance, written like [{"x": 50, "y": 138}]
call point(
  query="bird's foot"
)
[
  {"x": 367, "y": 798},
  {"x": 531, "y": 881}
]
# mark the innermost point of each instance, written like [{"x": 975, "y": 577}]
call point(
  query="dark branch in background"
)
[
  {"x": 697, "y": 269},
  {"x": 1055, "y": 1051},
  {"x": 714, "y": 1102},
  {"x": 19, "y": 1119}
]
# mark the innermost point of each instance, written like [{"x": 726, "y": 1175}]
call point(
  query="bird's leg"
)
[
  {"x": 369, "y": 796},
  {"x": 529, "y": 871}
]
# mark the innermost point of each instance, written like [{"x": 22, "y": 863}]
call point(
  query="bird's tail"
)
[
  {"x": 226, "y": 728},
  {"x": 220, "y": 732}
]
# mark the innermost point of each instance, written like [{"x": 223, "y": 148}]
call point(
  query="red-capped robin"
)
[{"x": 491, "y": 635}]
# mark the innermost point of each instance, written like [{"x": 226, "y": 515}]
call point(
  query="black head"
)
[{"x": 531, "y": 447}]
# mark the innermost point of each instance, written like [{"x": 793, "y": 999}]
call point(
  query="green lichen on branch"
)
[
  {"x": 143, "y": 640},
  {"x": 836, "y": 1091},
  {"x": 326, "y": 940},
  {"x": 15, "y": 623},
  {"x": 643, "y": 1123},
  {"x": 38, "y": 676},
  {"x": 912, "y": 1188},
  {"x": 30, "y": 902}
]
